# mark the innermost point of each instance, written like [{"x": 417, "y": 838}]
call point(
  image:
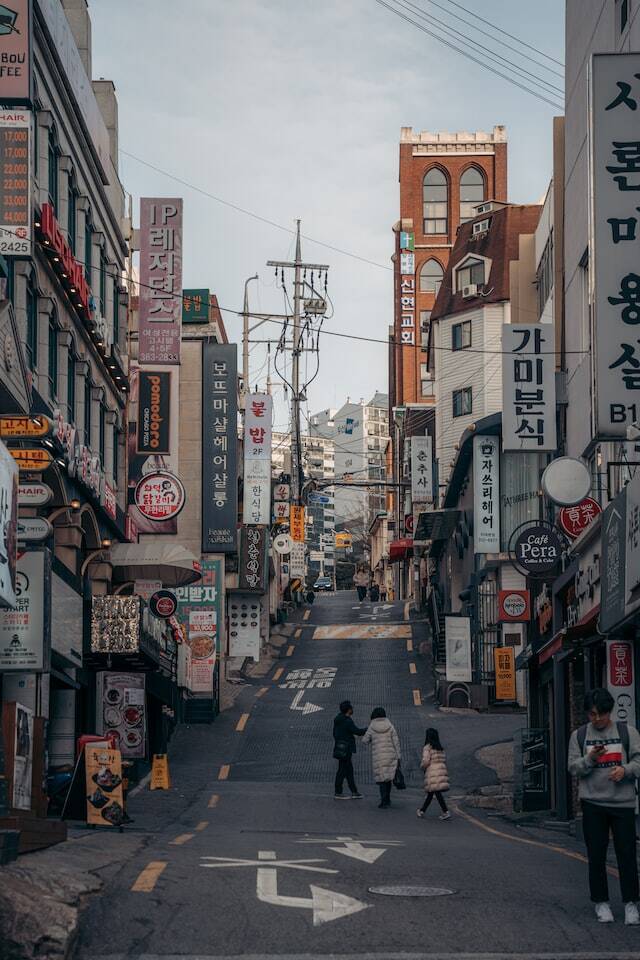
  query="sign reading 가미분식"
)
[{"x": 528, "y": 387}]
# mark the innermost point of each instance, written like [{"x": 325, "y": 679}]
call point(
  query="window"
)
[
  {"x": 471, "y": 272},
  {"x": 435, "y": 202},
  {"x": 52, "y": 156},
  {"x": 461, "y": 335},
  {"x": 53, "y": 358},
  {"x": 462, "y": 402},
  {"x": 88, "y": 247},
  {"x": 71, "y": 385},
  {"x": 116, "y": 311},
  {"x": 471, "y": 193},
  {"x": 87, "y": 412},
  {"x": 431, "y": 274},
  {"x": 102, "y": 432},
  {"x": 32, "y": 326},
  {"x": 425, "y": 323},
  {"x": 623, "y": 14},
  {"x": 103, "y": 284},
  {"x": 544, "y": 276},
  {"x": 72, "y": 213}
]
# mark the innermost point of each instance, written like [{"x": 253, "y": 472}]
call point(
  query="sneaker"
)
[
  {"x": 420, "y": 812},
  {"x": 631, "y": 915},
  {"x": 445, "y": 816},
  {"x": 356, "y": 796},
  {"x": 340, "y": 796},
  {"x": 603, "y": 912}
]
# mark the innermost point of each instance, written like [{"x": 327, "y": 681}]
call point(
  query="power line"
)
[
  {"x": 510, "y": 35},
  {"x": 469, "y": 56}
]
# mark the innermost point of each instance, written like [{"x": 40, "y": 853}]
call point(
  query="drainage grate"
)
[{"x": 410, "y": 890}]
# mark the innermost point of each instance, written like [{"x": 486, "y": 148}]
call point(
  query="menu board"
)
[
  {"x": 105, "y": 804},
  {"x": 15, "y": 164}
]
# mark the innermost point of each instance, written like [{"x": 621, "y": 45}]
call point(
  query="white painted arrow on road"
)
[
  {"x": 356, "y": 849},
  {"x": 326, "y": 905},
  {"x": 307, "y": 708}
]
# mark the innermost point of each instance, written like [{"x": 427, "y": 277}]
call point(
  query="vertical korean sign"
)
[
  {"x": 200, "y": 617},
  {"x": 421, "y": 469},
  {"x": 615, "y": 235},
  {"x": 257, "y": 459},
  {"x": 620, "y": 680},
  {"x": 486, "y": 495},
  {"x": 407, "y": 291},
  {"x": 528, "y": 387},
  {"x": 160, "y": 281},
  {"x": 219, "y": 447},
  {"x": 15, "y": 181}
]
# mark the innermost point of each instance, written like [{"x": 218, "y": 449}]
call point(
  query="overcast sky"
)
[{"x": 293, "y": 108}]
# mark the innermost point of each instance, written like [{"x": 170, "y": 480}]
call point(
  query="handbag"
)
[
  {"x": 341, "y": 750},
  {"x": 398, "y": 778}
]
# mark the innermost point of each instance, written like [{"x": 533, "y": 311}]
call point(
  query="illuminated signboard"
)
[{"x": 15, "y": 182}]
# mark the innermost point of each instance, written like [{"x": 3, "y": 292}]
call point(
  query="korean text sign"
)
[
  {"x": 200, "y": 615},
  {"x": 219, "y": 447},
  {"x": 486, "y": 494},
  {"x": 407, "y": 295},
  {"x": 615, "y": 228},
  {"x": 160, "y": 280},
  {"x": 257, "y": 459},
  {"x": 421, "y": 469},
  {"x": 528, "y": 387}
]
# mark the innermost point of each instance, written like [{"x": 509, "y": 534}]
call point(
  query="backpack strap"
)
[
  {"x": 582, "y": 736},
  {"x": 623, "y": 733}
]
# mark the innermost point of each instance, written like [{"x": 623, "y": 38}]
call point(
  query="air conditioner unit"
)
[{"x": 470, "y": 291}]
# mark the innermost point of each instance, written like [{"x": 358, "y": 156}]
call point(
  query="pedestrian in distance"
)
[
  {"x": 345, "y": 732},
  {"x": 383, "y": 593},
  {"x": 436, "y": 777},
  {"x": 605, "y": 757},
  {"x": 361, "y": 581},
  {"x": 385, "y": 752}
]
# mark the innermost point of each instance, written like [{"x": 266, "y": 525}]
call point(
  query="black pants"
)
[
  {"x": 345, "y": 769},
  {"x": 597, "y": 821},
  {"x": 385, "y": 792},
  {"x": 362, "y": 592},
  {"x": 438, "y": 797}
]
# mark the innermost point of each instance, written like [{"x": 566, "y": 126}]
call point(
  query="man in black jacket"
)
[{"x": 344, "y": 735}]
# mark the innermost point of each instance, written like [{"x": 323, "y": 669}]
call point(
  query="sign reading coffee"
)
[
  {"x": 536, "y": 548},
  {"x": 154, "y": 404}
]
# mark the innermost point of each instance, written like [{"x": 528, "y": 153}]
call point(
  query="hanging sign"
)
[
  {"x": 612, "y": 567},
  {"x": 105, "y": 803},
  {"x": 219, "y": 447},
  {"x": 257, "y": 459},
  {"x": 160, "y": 308},
  {"x": 159, "y": 496},
  {"x": 15, "y": 175},
  {"x": 536, "y": 548},
  {"x": 195, "y": 306},
  {"x": 163, "y": 604},
  {"x": 282, "y": 492},
  {"x": 620, "y": 681},
  {"x": 35, "y": 460},
  {"x": 421, "y": 469},
  {"x": 25, "y": 428},
  {"x": 252, "y": 566},
  {"x": 407, "y": 293},
  {"x": 33, "y": 529},
  {"x": 281, "y": 511},
  {"x": 528, "y": 387},
  {"x": 514, "y": 606},
  {"x": 34, "y": 495},
  {"x": 486, "y": 494},
  {"x": 8, "y": 526},
  {"x": 282, "y": 543},
  {"x": 296, "y": 559},
  {"x": 154, "y": 411},
  {"x": 296, "y": 523},
  {"x": 505, "y": 668},
  {"x": 573, "y": 520}
]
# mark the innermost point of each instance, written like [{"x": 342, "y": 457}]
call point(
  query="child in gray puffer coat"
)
[{"x": 385, "y": 755}]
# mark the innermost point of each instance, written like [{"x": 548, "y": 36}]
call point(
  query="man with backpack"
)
[{"x": 605, "y": 757}]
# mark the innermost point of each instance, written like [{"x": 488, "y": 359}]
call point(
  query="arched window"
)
[
  {"x": 431, "y": 274},
  {"x": 53, "y": 153},
  {"x": 32, "y": 323},
  {"x": 88, "y": 247},
  {"x": 435, "y": 197},
  {"x": 471, "y": 192},
  {"x": 72, "y": 212},
  {"x": 472, "y": 271},
  {"x": 52, "y": 365},
  {"x": 71, "y": 383}
]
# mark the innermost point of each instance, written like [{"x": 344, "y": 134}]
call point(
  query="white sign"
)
[
  {"x": 146, "y": 588},
  {"x": 620, "y": 682},
  {"x": 421, "y": 469},
  {"x": 159, "y": 496},
  {"x": 282, "y": 543},
  {"x": 244, "y": 626},
  {"x": 528, "y": 387},
  {"x": 33, "y": 529},
  {"x": 281, "y": 510},
  {"x": 486, "y": 494},
  {"x": 22, "y": 630},
  {"x": 257, "y": 459},
  {"x": 615, "y": 228},
  {"x": 8, "y": 524},
  {"x": 15, "y": 188},
  {"x": 296, "y": 559},
  {"x": 458, "y": 648},
  {"x": 282, "y": 491},
  {"x": 34, "y": 494}
]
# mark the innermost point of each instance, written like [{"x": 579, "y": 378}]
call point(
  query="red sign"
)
[
  {"x": 110, "y": 503},
  {"x": 163, "y": 604},
  {"x": 573, "y": 520},
  {"x": 514, "y": 606},
  {"x": 408, "y": 523},
  {"x": 620, "y": 664},
  {"x": 159, "y": 496},
  {"x": 71, "y": 272}
]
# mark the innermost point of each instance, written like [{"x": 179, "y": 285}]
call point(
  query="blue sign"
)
[{"x": 319, "y": 498}]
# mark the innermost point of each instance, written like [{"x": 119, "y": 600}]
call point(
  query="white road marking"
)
[
  {"x": 356, "y": 849},
  {"x": 289, "y": 864},
  {"x": 326, "y": 905},
  {"x": 307, "y": 708}
]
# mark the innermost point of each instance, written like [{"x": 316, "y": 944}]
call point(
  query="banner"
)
[
  {"x": 486, "y": 494},
  {"x": 122, "y": 712},
  {"x": 154, "y": 411},
  {"x": 505, "y": 667},
  {"x": 201, "y": 623},
  {"x": 457, "y": 632},
  {"x": 105, "y": 803},
  {"x": 160, "y": 309},
  {"x": 219, "y": 447},
  {"x": 620, "y": 682},
  {"x": 528, "y": 387},
  {"x": 296, "y": 523},
  {"x": 257, "y": 459}
]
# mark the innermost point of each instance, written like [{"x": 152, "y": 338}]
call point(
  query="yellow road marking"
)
[
  {"x": 261, "y": 692},
  {"x": 214, "y": 799},
  {"x": 409, "y": 646},
  {"x": 202, "y": 826},
  {"x": 290, "y": 649},
  {"x": 572, "y": 855},
  {"x": 278, "y": 673},
  {"x": 298, "y": 633},
  {"x": 183, "y": 838},
  {"x": 149, "y": 877},
  {"x": 417, "y": 699},
  {"x": 242, "y": 722},
  {"x": 413, "y": 668},
  {"x": 363, "y": 631},
  {"x": 307, "y": 614},
  {"x": 224, "y": 771}
]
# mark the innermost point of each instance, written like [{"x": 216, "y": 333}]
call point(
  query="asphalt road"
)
[{"x": 249, "y": 855}]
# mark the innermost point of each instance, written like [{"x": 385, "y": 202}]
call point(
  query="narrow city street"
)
[{"x": 249, "y": 854}]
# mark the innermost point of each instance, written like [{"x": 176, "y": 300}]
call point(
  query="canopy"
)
[
  {"x": 168, "y": 562},
  {"x": 399, "y": 549}
]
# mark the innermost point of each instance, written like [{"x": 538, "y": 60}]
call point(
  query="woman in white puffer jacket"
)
[
  {"x": 385, "y": 755},
  {"x": 436, "y": 777}
]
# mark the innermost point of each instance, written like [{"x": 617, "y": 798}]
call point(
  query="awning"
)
[
  {"x": 436, "y": 524},
  {"x": 400, "y": 549},
  {"x": 170, "y": 563},
  {"x": 585, "y": 626}
]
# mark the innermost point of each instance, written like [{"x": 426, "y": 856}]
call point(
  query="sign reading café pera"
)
[{"x": 536, "y": 548}]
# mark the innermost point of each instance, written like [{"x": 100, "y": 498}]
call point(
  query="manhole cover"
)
[{"x": 410, "y": 890}]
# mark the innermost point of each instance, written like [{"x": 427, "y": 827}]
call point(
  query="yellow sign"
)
[
  {"x": 344, "y": 540},
  {"x": 296, "y": 524},
  {"x": 105, "y": 803},
  {"x": 32, "y": 460},
  {"x": 160, "y": 772},
  {"x": 24, "y": 428},
  {"x": 505, "y": 664}
]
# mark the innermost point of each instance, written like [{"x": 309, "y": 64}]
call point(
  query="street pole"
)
[
  {"x": 295, "y": 371},
  {"x": 245, "y": 341}
]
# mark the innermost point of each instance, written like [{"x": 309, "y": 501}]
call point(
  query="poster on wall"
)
[
  {"x": 219, "y": 447},
  {"x": 505, "y": 668},
  {"x": 200, "y": 617},
  {"x": 160, "y": 311},
  {"x": 458, "y": 648},
  {"x": 122, "y": 712},
  {"x": 25, "y": 630},
  {"x": 23, "y": 758},
  {"x": 8, "y": 527},
  {"x": 486, "y": 494},
  {"x": 105, "y": 803}
]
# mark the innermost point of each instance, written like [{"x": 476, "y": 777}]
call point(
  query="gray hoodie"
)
[{"x": 593, "y": 774}]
